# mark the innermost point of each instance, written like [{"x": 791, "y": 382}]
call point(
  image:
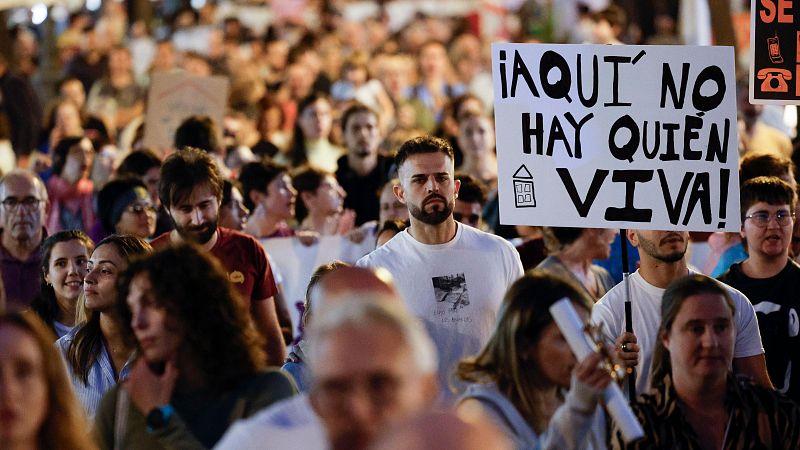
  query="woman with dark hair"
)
[
  {"x": 520, "y": 378},
  {"x": 570, "y": 255},
  {"x": 269, "y": 195},
  {"x": 64, "y": 257},
  {"x": 124, "y": 207},
  {"x": 232, "y": 211},
  {"x": 69, "y": 187},
  {"x": 95, "y": 351},
  {"x": 39, "y": 409},
  {"x": 321, "y": 207},
  {"x": 145, "y": 164},
  {"x": 201, "y": 364},
  {"x": 311, "y": 140},
  {"x": 695, "y": 400}
]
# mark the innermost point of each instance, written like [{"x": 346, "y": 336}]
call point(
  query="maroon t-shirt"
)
[{"x": 244, "y": 260}]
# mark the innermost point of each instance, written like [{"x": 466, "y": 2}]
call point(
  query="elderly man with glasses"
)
[
  {"x": 769, "y": 278},
  {"x": 24, "y": 207}
]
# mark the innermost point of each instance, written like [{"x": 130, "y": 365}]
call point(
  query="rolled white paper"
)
[{"x": 572, "y": 327}]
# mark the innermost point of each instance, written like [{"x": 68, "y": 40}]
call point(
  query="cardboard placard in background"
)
[{"x": 173, "y": 97}]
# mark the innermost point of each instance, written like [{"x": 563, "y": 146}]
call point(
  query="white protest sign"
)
[
  {"x": 296, "y": 262},
  {"x": 617, "y": 136},
  {"x": 174, "y": 97}
]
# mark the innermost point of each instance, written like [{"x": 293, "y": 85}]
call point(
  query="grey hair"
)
[
  {"x": 373, "y": 310},
  {"x": 41, "y": 189}
]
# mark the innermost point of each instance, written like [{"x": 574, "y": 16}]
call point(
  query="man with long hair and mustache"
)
[
  {"x": 663, "y": 260},
  {"x": 190, "y": 188},
  {"x": 453, "y": 277}
]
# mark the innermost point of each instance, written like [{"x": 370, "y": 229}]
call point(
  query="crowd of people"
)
[{"x": 140, "y": 309}]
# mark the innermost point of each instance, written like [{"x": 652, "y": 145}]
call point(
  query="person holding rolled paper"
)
[
  {"x": 663, "y": 260},
  {"x": 526, "y": 378},
  {"x": 696, "y": 401}
]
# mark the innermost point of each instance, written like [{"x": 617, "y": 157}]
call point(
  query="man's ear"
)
[
  {"x": 255, "y": 196},
  {"x": 399, "y": 193},
  {"x": 305, "y": 197},
  {"x": 632, "y": 238},
  {"x": 457, "y": 186}
]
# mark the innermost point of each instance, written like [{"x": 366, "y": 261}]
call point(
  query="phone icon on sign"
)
[
  {"x": 774, "y": 79},
  {"x": 774, "y": 45}
]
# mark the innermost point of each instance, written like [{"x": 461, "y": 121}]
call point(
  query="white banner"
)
[
  {"x": 296, "y": 263},
  {"x": 617, "y": 136}
]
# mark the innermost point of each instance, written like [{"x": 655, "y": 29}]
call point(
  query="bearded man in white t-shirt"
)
[
  {"x": 663, "y": 260},
  {"x": 453, "y": 277}
]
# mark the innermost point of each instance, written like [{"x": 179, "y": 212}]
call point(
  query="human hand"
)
[
  {"x": 626, "y": 349},
  {"x": 592, "y": 372},
  {"x": 147, "y": 389},
  {"x": 347, "y": 221}
]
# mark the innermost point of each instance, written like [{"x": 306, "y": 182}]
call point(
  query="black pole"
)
[{"x": 623, "y": 242}]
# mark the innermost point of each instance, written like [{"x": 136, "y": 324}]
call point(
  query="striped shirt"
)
[
  {"x": 99, "y": 380},
  {"x": 758, "y": 418}
]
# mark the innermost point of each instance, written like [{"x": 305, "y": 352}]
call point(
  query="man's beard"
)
[
  {"x": 437, "y": 215},
  {"x": 199, "y": 234},
  {"x": 651, "y": 249}
]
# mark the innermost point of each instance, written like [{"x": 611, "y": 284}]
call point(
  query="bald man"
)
[
  {"x": 330, "y": 284},
  {"x": 347, "y": 353}
]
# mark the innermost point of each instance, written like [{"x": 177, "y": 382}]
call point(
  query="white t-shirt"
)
[
  {"x": 609, "y": 312},
  {"x": 290, "y": 424},
  {"x": 455, "y": 288}
]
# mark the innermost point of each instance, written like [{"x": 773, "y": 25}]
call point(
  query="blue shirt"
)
[{"x": 100, "y": 379}]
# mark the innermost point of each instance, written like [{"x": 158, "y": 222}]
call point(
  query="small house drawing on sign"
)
[{"x": 523, "y": 188}]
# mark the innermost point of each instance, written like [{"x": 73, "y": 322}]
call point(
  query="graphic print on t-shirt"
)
[{"x": 451, "y": 297}]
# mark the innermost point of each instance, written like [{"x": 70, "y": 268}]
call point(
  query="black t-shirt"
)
[
  {"x": 777, "y": 303},
  {"x": 362, "y": 192}
]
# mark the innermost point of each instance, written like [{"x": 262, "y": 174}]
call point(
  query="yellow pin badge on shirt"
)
[{"x": 236, "y": 277}]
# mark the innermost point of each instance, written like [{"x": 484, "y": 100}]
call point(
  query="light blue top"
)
[
  {"x": 568, "y": 428},
  {"x": 100, "y": 379}
]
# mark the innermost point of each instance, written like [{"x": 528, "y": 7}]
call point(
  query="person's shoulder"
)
[
  {"x": 612, "y": 297},
  {"x": 270, "y": 378},
  {"x": 471, "y": 233},
  {"x": 229, "y": 238},
  {"x": 387, "y": 251},
  {"x": 161, "y": 241},
  {"x": 766, "y": 399},
  {"x": 64, "y": 342}
]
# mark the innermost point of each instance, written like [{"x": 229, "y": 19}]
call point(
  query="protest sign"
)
[
  {"x": 611, "y": 136},
  {"x": 173, "y": 97},
  {"x": 774, "y": 52},
  {"x": 294, "y": 263}
]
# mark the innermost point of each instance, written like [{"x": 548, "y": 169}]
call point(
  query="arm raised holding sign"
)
[{"x": 662, "y": 261}]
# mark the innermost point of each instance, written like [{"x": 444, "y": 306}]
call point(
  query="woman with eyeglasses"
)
[
  {"x": 64, "y": 257},
  {"x": 96, "y": 353},
  {"x": 124, "y": 207},
  {"x": 200, "y": 362}
]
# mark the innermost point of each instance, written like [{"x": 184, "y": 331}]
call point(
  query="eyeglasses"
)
[
  {"x": 761, "y": 218},
  {"x": 29, "y": 203},
  {"x": 138, "y": 208}
]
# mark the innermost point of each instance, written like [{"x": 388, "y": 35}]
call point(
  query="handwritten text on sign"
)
[{"x": 616, "y": 136}]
